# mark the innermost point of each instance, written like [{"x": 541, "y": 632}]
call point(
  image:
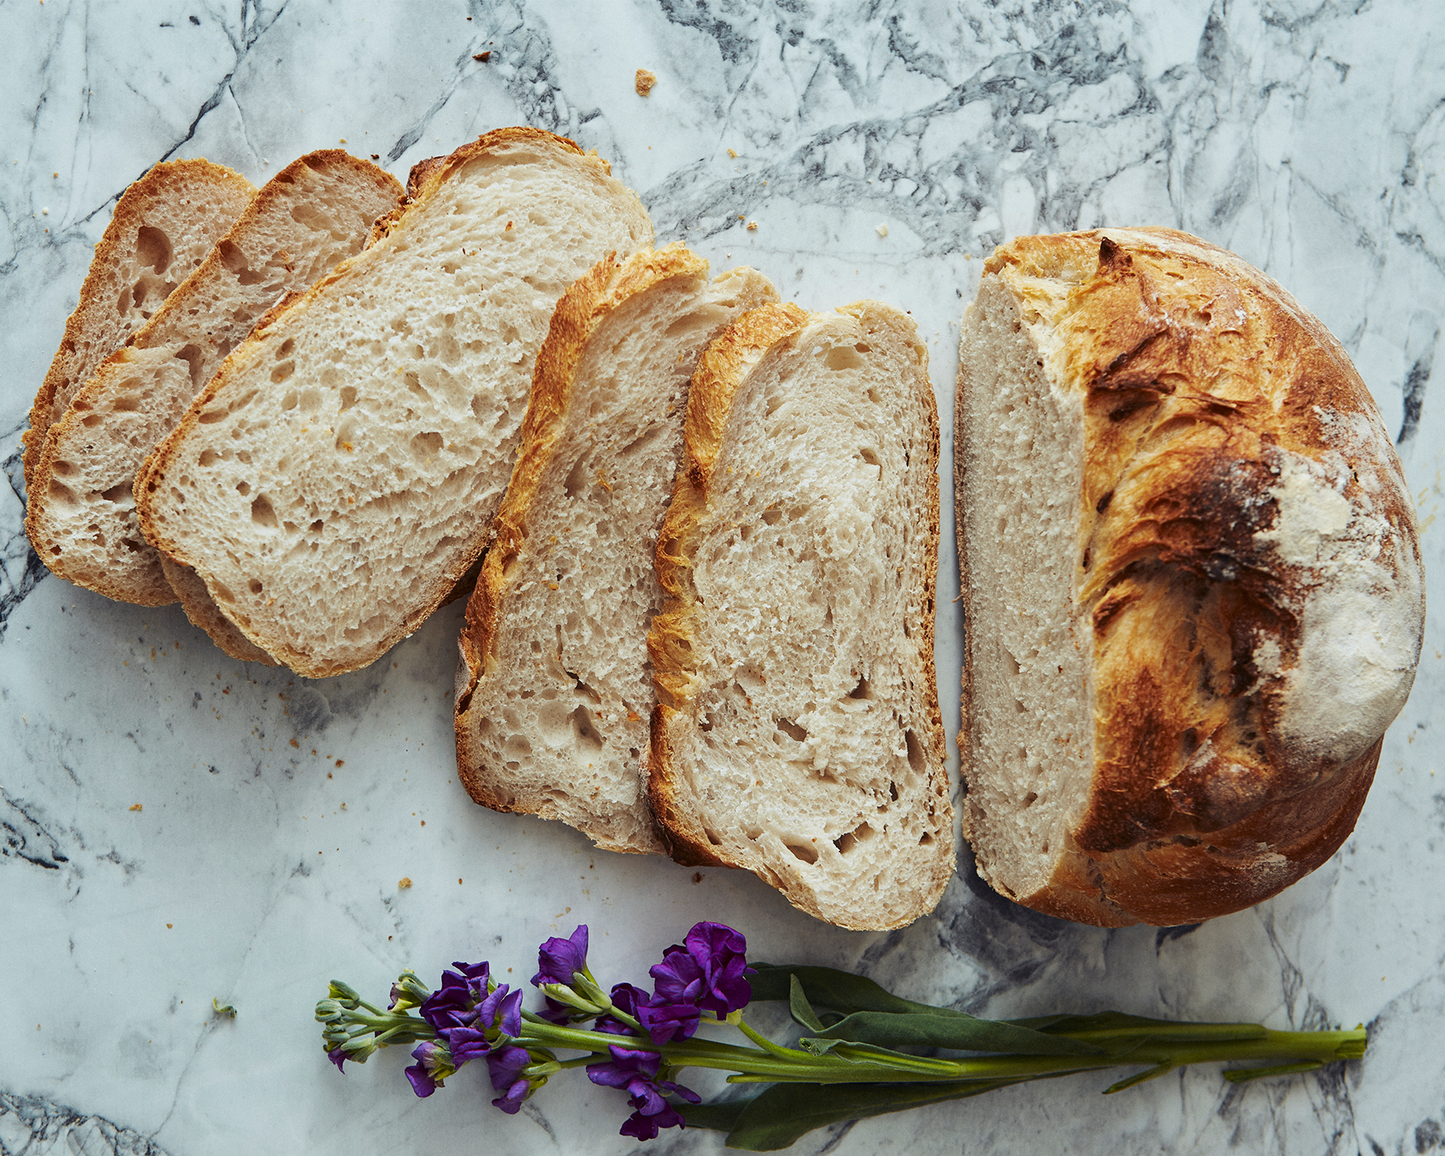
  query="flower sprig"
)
[{"x": 863, "y": 1051}]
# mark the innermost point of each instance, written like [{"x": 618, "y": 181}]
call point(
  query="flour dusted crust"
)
[
  {"x": 797, "y": 732},
  {"x": 1244, "y": 589},
  {"x": 81, "y": 517},
  {"x": 163, "y": 226},
  {"x": 369, "y": 480}
]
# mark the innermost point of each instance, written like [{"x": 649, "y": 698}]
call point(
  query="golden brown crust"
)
[
  {"x": 162, "y": 182},
  {"x": 1208, "y": 393},
  {"x": 426, "y": 179},
  {"x": 590, "y": 300}
]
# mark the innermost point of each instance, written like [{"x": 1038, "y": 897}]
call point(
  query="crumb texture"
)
[
  {"x": 556, "y": 688},
  {"x": 338, "y": 476},
  {"x": 312, "y": 215},
  {"x": 799, "y": 734},
  {"x": 163, "y": 226}
]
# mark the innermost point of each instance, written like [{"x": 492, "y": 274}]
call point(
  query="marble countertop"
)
[{"x": 179, "y": 827}]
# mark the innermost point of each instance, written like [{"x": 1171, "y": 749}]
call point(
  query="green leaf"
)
[
  {"x": 719, "y": 1116},
  {"x": 957, "y": 1031},
  {"x": 780, "y": 1116},
  {"x": 827, "y": 987},
  {"x": 802, "y": 1011}
]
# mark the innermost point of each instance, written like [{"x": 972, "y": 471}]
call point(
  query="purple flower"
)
[
  {"x": 636, "y": 1072},
  {"x": 666, "y": 1021},
  {"x": 707, "y": 972},
  {"x": 506, "y": 1065},
  {"x": 452, "y": 1004},
  {"x": 626, "y": 999},
  {"x": 465, "y": 1044},
  {"x": 338, "y": 1056},
  {"x": 431, "y": 1059},
  {"x": 558, "y": 960},
  {"x": 503, "y": 1010}
]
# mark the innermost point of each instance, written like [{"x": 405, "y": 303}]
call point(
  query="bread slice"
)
[
  {"x": 554, "y": 690},
  {"x": 797, "y": 732},
  {"x": 339, "y": 474},
  {"x": 1191, "y": 580},
  {"x": 163, "y": 226},
  {"x": 81, "y": 518}
]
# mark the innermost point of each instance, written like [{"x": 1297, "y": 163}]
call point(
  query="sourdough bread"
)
[
  {"x": 797, "y": 732},
  {"x": 554, "y": 689},
  {"x": 338, "y": 476},
  {"x": 163, "y": 226},
  {"x": 81, "y": 518},
  {"x": 1191, "y": 580}
]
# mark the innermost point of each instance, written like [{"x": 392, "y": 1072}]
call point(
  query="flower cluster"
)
[{"x": 471, "y": 1016}]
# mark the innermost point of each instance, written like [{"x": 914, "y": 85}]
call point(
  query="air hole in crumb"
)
[
  {"x": 283, "y": 371},
  {"x": 426, "y": 445},
  {"x": 713, "y": 837},
  {"x": 1031, "y": 798},
  {"x": 191, "y": 355},
  {"x": 842, "y": 357},
  {"x": 926, "y": 839},
  {"x": 772, "y": 517},
  {"x": 254, "y": 585},
  {"x": 803, "y": 851},
  {"x": 348, "y": 397},
  {"x": 584, "y": 729},
  {"x": 576, "y": 480},
  {"x": 864, "y": 689},
  {"x": 209, "y": 457},
  {"x": 243, "y": 488},
  {"x": 120, "y": 493},
  {"x": 915, "y": 752},
  {"x": 153, "y": 248},
  {"x": 263, "y": 514},
  {"x": 745, "y": 532},
  {"x": 870, "y": 456},
  {"x": 792, "y": 730}
]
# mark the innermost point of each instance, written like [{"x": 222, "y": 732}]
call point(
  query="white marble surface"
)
[{"x": 278, "y": 814}]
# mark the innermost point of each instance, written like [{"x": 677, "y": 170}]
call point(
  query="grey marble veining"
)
[{"x": 277, "y": 815}]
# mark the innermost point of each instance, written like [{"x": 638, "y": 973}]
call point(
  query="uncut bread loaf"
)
[
  {"x": 1191, "y": 580},
  {"x": 163, "y": 226},
  {"x": 554, "y": 690},
  {"x": 338, "y": 475},
  {"x": 797, "y": 732},
  {"x": 81, "y": 517}
]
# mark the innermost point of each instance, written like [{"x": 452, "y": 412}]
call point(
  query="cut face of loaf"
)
[
  {"x": 163, "y": 226},
  {"x": 1191, "y": 579},
  {"x": 797, "y": 732},
  {"x": 339, "y": 474},
  {"x": 81, "y": 518},
  {"x": 555, "y": 689}
]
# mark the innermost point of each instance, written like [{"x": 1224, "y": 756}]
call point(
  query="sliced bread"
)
[
  {"x": 163, "y": 226},
  {"x": 1191, "y": 580},
  {"x": 554, "y": 689},
  {"x": 797, "y": 732},
  {"x": 81, "y": 518},
  {"x": 338, "y": 476}
]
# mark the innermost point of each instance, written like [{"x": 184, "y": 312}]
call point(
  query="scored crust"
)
[
  {"x": 849, "y": 830},
  {"x": 163, "y": 226},
  {"x": 314, "y": 634},
  {"x": 1246, "y": 590}
]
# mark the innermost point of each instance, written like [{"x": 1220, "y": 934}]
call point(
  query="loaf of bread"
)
[
  {"x": 81, "y": 516},
  {"x": 1191, "y": 580},
  {"x": 797, "y": 732},
  {"x": 163, "y": 226},
  {"x": 338, "y": 475},
  {"x": 554, "y": 690}
]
